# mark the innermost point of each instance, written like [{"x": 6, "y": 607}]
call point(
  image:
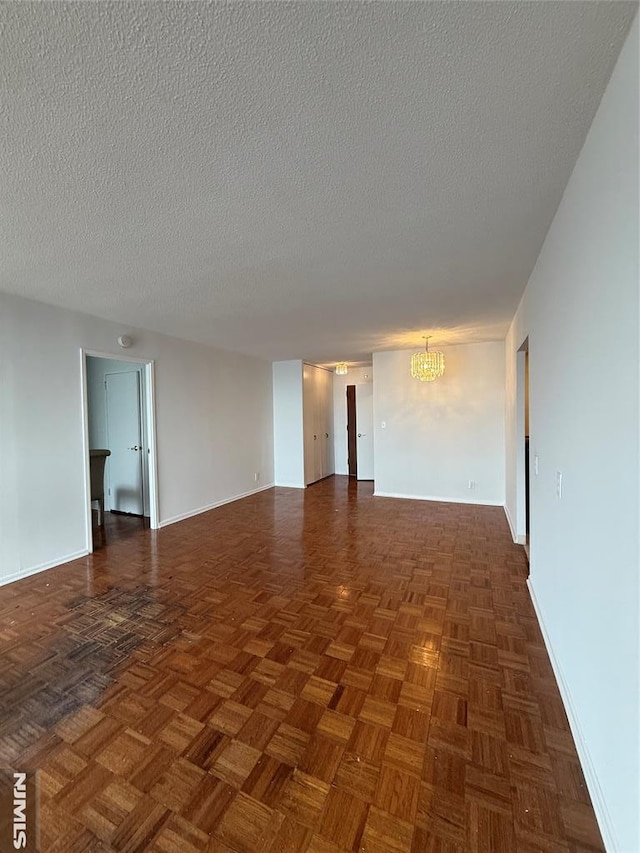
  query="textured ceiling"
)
[{"x": 315, "y": 180}]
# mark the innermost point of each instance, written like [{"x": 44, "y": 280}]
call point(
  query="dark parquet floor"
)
[{"x": 318, "y": 671}]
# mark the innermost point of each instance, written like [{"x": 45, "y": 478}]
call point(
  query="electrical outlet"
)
[
  {"x": 256, "y": 476},
  {"x": 383, "y": 425},
  {"x": 472, "y": 484}
]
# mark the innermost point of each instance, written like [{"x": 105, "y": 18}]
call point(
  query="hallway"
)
[{"x": 302, "y": 670}]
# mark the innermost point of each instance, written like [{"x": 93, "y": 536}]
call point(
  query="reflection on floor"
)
[
  {"x": 116, "y": 526},
  {"x": 316, "y": 670}
]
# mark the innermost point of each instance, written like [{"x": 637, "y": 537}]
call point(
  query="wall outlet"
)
[
  {"x": 472, "y": 484},
  {"x": 383, "y": 425},
  {"x": 256, "y": 476}
]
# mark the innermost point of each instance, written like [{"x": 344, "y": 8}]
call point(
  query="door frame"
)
[{"x": 149, "y": 415}]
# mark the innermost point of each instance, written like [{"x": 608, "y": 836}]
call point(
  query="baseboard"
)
[
  {"x": 183, "y": 517},
  {"x": 591, "y": 777},
  {"x": 519, "y": 540},
  {"x": 290, "y": 485},
  {"x": 43, "y": 567},
  {"x": 378, "y": 494}
]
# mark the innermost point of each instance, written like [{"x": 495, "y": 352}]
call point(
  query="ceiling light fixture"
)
[
  {"x": 427, "y": 366},
  {"x": 341, "y": 368}
]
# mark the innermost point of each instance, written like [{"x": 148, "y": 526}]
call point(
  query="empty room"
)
[{"x": 319, "y": 427}]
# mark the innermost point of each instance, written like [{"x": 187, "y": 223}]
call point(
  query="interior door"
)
[
  {"x": 364, "y": 435},
  {"x": 124, "y": 436},
  {"x": 310, "y": 417},
  {"x": 329, "y": 459},
  {"x": 325, "y": 421},
  {"x": 318, "y": 424}
]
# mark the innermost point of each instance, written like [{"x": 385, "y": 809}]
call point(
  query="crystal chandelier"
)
[
  {"x": 341, "y": 368},
  {"x": 427, "y": 366}
]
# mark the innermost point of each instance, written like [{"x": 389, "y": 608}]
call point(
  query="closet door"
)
[
  {"x": 318, "y": 423},
  {"x": 329, "y": 462},
  {"x": 309, "y": 420}
]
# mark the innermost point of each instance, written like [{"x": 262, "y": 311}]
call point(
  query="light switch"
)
[
  {"x": 559, "y": 483},
  {"x": 535, "y": 464}
]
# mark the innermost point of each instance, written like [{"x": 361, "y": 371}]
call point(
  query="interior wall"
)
[
  {"x": 355, "y": 376},
  {"x": 97, "y": 370},
  {"x": 214, "y": 425},
  {"x": 580, "y": 312},
  {"x": 440, "y": 435}
]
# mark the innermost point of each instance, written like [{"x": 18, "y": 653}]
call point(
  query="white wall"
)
[
  {"x": 580, "y": 312},
  {"x": 214, "y": 428},
  {"x": 439, "y": 435},
  {"x": 97, "y": 370},
  {"x": 355, "y": 376},
  {"x": 288, "y": 432}
]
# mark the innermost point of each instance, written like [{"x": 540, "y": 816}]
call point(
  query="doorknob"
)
[
  {"x": 362, "y": 434},
  {"x": 135, "y": 448}
]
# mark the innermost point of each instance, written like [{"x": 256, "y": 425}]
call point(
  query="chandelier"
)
[
  {"x": 341, "y": 368},
  {"x": 427, "y": 366}
]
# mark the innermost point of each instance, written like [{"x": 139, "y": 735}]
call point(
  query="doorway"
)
[
  {"x": 119, "y": 446},
  {"x": 527, "y": 478},
  {"x": 360, "y": 431},
  {"x": 523, "y": 461},
  {"x": 352, "y": 428}
]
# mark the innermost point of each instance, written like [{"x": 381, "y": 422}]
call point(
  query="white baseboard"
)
[
  {"x": 591, "y": 777},
  {"x": 519, "y": 540},
  {"x": 175, "y": 518},
  {"x": 290, "y": 485},
  {"x": 42, "y": 567},
  {"x": 437, "y": 498}
]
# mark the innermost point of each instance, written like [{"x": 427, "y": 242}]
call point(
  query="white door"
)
[
  {"x": 329, "y": 462},
  {"x": 364, "y": 434},
  {"x": 310, "y": 405},
  {"x": 124, "y": 437}
]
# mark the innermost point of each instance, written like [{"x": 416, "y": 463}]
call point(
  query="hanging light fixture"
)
[
  {"x": 427, "y": 366},
  {"x": 341, "y": 368}
]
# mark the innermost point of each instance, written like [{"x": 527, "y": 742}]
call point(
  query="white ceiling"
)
[{"x": 315, "y": 180}]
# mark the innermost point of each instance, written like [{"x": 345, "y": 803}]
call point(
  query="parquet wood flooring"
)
[
  {"x": 318, "y": 671},
  {"x": 116, "y": 527}
]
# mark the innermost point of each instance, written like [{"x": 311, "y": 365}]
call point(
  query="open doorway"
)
[
  {"x": 120, "y": 447},
  {"x": 524, "y": 480},
  {"x": 527, "y": 480},
  {"x": 352, "y": 428}
]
